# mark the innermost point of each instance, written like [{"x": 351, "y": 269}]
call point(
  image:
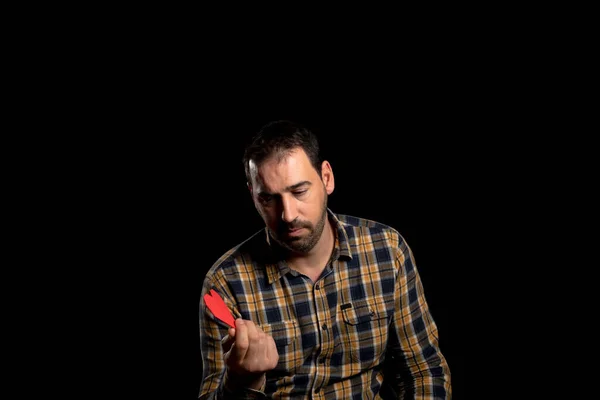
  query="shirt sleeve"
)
[
  {"x": 417, "y": 367},
  {"x": 215, "y": 383}
]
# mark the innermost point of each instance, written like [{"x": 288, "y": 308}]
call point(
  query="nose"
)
[{"x": 290, "y": 212}]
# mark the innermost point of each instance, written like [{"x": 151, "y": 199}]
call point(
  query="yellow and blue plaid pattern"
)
[{"x": 365, "y": 317}]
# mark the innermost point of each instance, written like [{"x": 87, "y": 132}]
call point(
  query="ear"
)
[{"x": 327, "y": 177}]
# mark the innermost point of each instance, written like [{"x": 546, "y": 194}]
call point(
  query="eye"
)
[
  {"x": 300, "y": 193},
  {"x": 265, "y": 199}
]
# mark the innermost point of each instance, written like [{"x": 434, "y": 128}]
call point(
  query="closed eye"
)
[{"x": 265, "y": 198}]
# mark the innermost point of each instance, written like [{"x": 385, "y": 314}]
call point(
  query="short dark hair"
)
[{"x": 279, "y": 138}]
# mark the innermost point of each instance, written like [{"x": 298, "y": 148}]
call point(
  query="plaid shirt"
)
[{"x": 365, "y": 318}]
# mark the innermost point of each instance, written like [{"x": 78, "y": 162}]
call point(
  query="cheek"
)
[{"x": 268, "y": 214}]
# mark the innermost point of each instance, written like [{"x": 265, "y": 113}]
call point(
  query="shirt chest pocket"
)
[
  {"x": 364, "y": 331},
  {"x": 288, "y": 341}
]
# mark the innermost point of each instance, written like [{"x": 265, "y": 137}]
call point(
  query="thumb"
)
[{"x": 228, "y": 340}]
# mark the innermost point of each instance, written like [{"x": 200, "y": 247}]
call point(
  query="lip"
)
[{"x": 294, "y": 232}]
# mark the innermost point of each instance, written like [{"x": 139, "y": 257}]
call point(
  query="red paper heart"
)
[{"x": 217, "y": 306}]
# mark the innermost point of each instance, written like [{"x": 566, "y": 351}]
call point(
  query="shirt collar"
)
[{"x": 278, "y": 267}]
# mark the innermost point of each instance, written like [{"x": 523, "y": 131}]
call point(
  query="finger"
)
[
  {"x": 258, "y": 340},
  {"x": 228, "y": 340},
  {"x": 253, "y": 330},
  {"x": 241, "y": 340},
  {"x": 272, "y": 353}
]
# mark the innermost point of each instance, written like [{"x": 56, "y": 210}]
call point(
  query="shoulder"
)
[
  {"x": 352, "y": 220},
  {"x": 371, "y": 239},
  {"x": 367, "y": 229},
  {"x": 242, "y": 256}
]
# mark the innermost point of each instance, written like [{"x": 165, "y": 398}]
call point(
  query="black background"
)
[
  {"x": 196, "y": 206},
  {"x": 132, "y": 144},
  {"x": 165, "y": 196}
]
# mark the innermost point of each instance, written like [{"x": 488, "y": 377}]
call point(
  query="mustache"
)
[{"x": 293, "y": 225}]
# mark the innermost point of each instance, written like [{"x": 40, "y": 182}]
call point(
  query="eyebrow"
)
[{"x": 288, "y": 189}]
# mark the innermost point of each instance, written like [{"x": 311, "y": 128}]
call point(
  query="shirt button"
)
[
  {"x": 318, "y": 390},
  {"x": 322, "y": 360},
  {"x": 324, "y": 327}
]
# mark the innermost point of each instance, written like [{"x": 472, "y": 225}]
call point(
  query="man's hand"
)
[{"x": 249, "y": 353}]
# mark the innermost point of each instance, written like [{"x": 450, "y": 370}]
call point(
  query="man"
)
[{"x": 327, "y": 306}]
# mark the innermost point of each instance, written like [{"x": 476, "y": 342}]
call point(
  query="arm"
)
[
  {"x": 418, "y": 367},
  {"x": 231, "y": 368}
]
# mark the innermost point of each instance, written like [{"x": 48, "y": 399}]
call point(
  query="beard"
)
[{"x": 301, "y": 244}]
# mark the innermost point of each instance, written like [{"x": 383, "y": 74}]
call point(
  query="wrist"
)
[{"x": 250, "y": 381}]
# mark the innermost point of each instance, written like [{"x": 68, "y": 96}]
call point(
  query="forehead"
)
[{"x": 282, "y": 170}]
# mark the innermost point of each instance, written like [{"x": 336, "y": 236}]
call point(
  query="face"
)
[{"x": 291, "y": 198}]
